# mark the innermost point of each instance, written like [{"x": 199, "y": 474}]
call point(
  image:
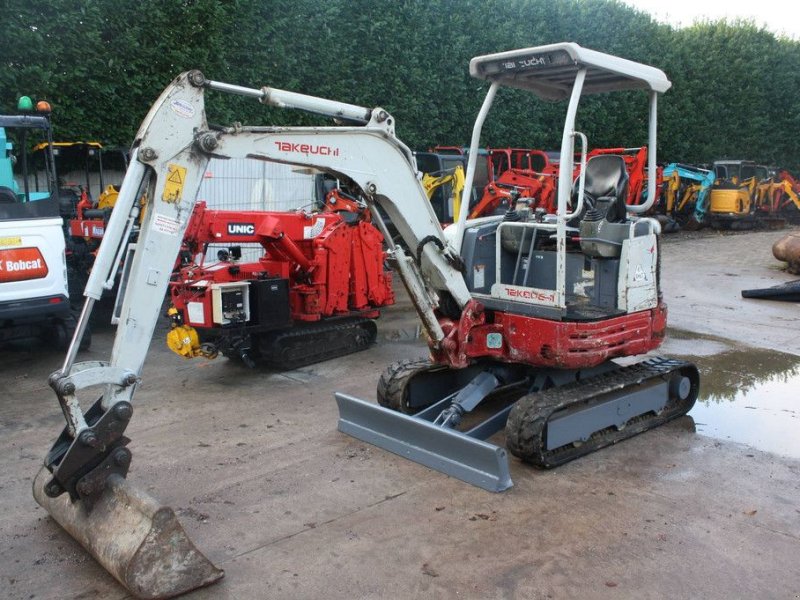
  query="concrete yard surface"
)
[{"x": 271, "y": 492}]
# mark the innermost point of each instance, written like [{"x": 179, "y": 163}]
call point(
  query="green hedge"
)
[{"x": 101, "y": 64}]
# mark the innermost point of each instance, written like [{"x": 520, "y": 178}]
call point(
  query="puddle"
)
[{"x": 751, "y": 396}]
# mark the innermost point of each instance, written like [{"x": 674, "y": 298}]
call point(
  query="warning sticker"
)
[
  {"x": 173, "y": 187},
  {"x": 166, "y": 225},
  {"x": 479, "y": 276},
  {"x": 21, "y": 264},
  {"x": 197, "y": 315},
  {"x": 314, "y": 230},
  {"x": 10, "y": 241}
]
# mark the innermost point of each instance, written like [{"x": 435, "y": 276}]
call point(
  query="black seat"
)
[{"x": 606, "y": 187}]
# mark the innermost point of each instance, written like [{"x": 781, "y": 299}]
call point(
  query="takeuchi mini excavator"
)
[{"x": 523, "y": 312}]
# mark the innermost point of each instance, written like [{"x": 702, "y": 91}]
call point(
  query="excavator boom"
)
[{"x": 82, "y": 484}]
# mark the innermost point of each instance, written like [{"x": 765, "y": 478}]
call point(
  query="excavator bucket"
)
[
  {"x": 692, "y": 224},
  {"x": 463, "y": 455},
  {"x": 135, "y": 538}
]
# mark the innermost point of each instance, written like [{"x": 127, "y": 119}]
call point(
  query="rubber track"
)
[
  {"x": 394, "y": 381},
  {"x": 526, "y": 425},
  {"x": 311, "y": 344}
]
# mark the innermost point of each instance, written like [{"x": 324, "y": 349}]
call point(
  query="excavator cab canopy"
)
[
  {"x": 550, "y": 71},
  {"x": 565, "y": 71}
]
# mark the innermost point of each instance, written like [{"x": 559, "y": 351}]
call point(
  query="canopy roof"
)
[{"x": 550, "y": 71}]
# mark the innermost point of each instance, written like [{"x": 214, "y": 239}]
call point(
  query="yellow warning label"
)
[
  {"x": 173, "y": 188},
  {"x": 10, "y": 241}
]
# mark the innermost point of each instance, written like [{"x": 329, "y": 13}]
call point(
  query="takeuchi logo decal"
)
[
  {"x": 316, "y": 149},
  {"x": 529, "y": 295},
  {"x": 21, "y": 264}
]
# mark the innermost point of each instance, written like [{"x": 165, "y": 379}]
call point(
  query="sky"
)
[{"x": 782, "y": 17}]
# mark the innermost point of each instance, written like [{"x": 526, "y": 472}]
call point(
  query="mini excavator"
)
[
  {"x": 552, "y": 299},
  {"x": 524, "y": 312}
]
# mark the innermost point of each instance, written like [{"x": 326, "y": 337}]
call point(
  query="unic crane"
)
[{"x": 312, "y": 295}]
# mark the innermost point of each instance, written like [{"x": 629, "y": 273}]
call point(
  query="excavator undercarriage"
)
[{"x": 549, "y": 416}]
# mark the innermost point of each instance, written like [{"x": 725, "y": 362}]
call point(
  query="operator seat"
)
[{"x": 606, "y": 187}]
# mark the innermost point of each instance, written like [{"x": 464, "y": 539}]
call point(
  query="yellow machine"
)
[
  {"x": 431, "y": 183},
  {"x": 85, "y": 165},
  {"x": 732, "y": 201},
  {"x": 108, "y": 197},
  {"x": 772, "y": 195},
  {"x": 686, "y": 191},
  {"x": 443, "y": 178}
]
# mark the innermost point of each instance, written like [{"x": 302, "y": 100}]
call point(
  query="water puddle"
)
[{"x": 751, "y": 396}]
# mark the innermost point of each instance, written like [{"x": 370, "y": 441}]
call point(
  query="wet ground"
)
[
  {"x": 748, "y": 395},
  {"x": 747, "y": 350},
  {"x": 290, "y": 508}
]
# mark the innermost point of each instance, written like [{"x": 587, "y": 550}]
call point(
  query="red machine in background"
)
[
  {"x": 787, "y": 197},
  {"x": 636, "y": 166},
  {"x": 530, "y": 176},
  {"x": 517, "y": 175},
  {"x": 312, "y": 295}
]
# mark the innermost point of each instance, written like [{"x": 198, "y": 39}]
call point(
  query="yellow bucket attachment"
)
[{"x": 136, "y": 539}]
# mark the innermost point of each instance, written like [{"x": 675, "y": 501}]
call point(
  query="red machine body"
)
[
  {"x": 549, "y": 343},
  {"x": 89, "y": 223},
  {"x": 318, "y": 266},
  {"x": 636, "y": 165}
]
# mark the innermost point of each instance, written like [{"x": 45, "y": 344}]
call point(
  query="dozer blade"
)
[
  {"x": 451, "y": 452},
  {"x": 137, "y": 540}
]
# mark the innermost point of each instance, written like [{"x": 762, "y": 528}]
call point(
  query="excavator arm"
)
[
  {"x": 171, "y": 152},
  {"x": 169, "y": 158},
  {"x": 696, "y": 184}
]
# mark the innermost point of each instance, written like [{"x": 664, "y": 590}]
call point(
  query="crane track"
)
[{"x": 309, "y": 344}]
